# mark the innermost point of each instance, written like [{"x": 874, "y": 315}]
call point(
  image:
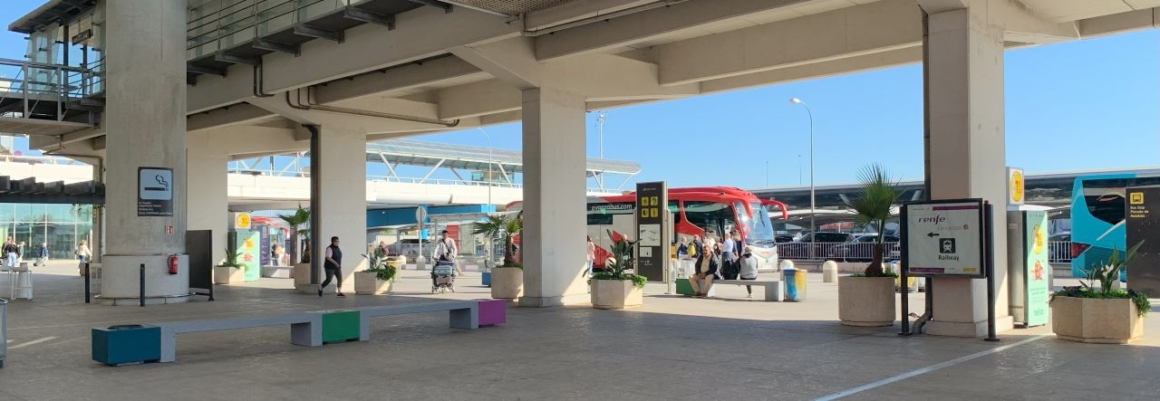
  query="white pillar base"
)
[
  {"x": 966, "y": 329},
  {"x": 120, "y": 284},
  {"x": 549, "y": 302}
]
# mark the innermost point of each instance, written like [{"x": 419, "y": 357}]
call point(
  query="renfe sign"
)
[{"x": 944, "y": 238}]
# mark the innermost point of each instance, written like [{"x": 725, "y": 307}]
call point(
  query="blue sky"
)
[{"x": 1079, "y": 105}]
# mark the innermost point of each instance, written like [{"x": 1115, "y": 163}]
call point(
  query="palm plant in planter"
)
[
  {"x": 299, "y": 235},
  {"x": 867, "y": 299},
  {"x": 507, "y": 281},
  {"x": 1105, "y": 315},
  {"x": 377, "y": 277},
  {"x": 615, "y": 287},
  {"x": 230, "y": 271}
]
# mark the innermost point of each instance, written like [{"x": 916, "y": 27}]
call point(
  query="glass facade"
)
[{"x": 61, "y": 226}]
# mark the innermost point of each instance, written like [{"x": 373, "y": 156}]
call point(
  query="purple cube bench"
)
[{"x": 492, "y": 312}]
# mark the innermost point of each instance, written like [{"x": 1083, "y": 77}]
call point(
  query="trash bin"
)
[
  {"x": 3, "y": 331},
  {"x": 795, "y": 284}
]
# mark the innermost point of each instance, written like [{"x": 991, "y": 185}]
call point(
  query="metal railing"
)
[
  {"x": 1058, "y": 251},
  {"x": 237, "y": 21},
  {"x": 27, "y": 88},
  {"x": 384, "y": 178}
]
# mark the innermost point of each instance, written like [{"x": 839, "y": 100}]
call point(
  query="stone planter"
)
[
  {"x": 228, "y": 275},
  {"x": 1098, "y": 321},
  {"x": 507, "y": 283},
  {"x": 398, "y": 262},
  {"x": 866, "y": 301},
  {"x": 616, "y": 294},
  {"x": 301, "y": 274},
  {"x": 276, "y": 271},
  {"x": 365, "y": 283}
]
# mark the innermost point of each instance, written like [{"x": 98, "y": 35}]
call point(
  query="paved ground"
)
[{"x": 672, "y": 348}]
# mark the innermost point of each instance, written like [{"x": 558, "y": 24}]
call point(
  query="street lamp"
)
[
  {"x": 600, "y": 122},
  {"x": 813, "y": 205}
]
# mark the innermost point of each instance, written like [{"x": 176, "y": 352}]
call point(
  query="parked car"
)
[
  {"x": 1060, "y": 237},
  {"x": 862, "y": 248}
]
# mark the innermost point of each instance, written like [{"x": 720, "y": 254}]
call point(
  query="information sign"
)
[
  {"x": 651, "y": 208},
  {"x": 944, "y": 238},
  {"x": 1143, "y": 224}
]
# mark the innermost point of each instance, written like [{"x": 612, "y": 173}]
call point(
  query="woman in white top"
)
[{"x": 591, "y": 250}]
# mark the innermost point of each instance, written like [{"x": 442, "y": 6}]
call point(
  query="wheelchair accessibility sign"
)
[{"x": 154, "y": 191}]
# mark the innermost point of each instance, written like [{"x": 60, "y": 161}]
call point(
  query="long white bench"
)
[
  {"x": 305, "y": 329},
  {"x": 464, "y": 314},
  {"x": 773, "y": 288}
]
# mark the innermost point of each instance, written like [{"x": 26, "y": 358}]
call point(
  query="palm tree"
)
[
  {"x": 300, "y": 218},
  {"x": 495, "y": 225},
  {"x": 872, "y": 207}
]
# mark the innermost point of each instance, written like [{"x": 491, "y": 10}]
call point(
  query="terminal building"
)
[{"x": 160, "y": 96}]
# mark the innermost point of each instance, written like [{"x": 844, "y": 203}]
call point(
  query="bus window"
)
[
  {"x": 676, "y": 209},
  {"x": 760, "y": 227},
  {"x": 710, "y": 216}
]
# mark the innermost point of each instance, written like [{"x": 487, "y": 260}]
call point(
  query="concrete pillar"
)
[
  {"x": 554, "y": 198},
  {"x": 145, "y": 120},
  {"x": 341, "y": 204},
  {"x": 966, "y": 156},
  {"x": 208, "y": 191}
]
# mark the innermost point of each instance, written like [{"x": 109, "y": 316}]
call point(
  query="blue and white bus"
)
[{"x": 1097, "y": 219}]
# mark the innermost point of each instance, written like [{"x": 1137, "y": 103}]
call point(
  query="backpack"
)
[{"x": 731, "y": 269}]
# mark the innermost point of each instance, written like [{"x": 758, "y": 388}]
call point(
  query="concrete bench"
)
[
  {"x": 773, "y": 288},
  {"x": 463, "y": 314},
  {"x": 305, "y": 329}
]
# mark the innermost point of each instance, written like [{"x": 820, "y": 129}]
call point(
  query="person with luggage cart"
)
[{"x": 443, "y": 275}]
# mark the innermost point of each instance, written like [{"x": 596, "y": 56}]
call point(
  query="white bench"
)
[
  {"x": 464, "y": 314},
  {"x": 305, "y": 329},
  {"x": 773, "y": 288}
]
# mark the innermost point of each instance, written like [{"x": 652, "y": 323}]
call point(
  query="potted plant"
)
[
  {"x": 378, "y": 276},
  {"x": 507, "y": 281},
  {"x": 299, "y": 235},
  {"x": 230, "y": 271},
  {"x": 1105, "y": 315},
  {"x": 615, "y": 287},
  {"x": 867, "y": 299}
]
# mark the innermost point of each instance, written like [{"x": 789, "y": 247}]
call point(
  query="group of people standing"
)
[
  {"x": 715, "y": 260},
  {"x": 12, "y": 253}
]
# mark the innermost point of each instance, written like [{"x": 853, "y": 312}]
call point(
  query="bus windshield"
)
[{"x": 760, "y": 227}]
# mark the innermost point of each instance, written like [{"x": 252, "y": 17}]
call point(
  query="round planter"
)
[
  {"x": 616, "y": 294},
  {"x": 507, "y": 283},
  {"x": 866, "y": 301},
  {"x": 1097, "y": 321},
  {"x": 366, "y": 283}
]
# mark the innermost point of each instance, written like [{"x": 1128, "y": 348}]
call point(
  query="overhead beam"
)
[
  {"x": 435, "y": 3},
  {"x": 853, "y": 31},
  {"x": 232, "y": 115},
  {"x": 370, "y": 17},
  {"x": 318, "y": 33},
  {"x": 54, "y": 141},
  {"x": 512, "y": 61},
  {"x": 1122, "y": 22},
  {"x": 364, "y": 50},
  {"x": 1022, "y": 25},
  {"x": 577, "y": 10},
  {"x": 395, "y": 79},
  {"x": 226, "y": 58},
  {"x": 200, "y": 69},
  {"x": 635, "y": 28},
  {"x": 263, "y": 44},
  {"x": 892, "y": 58},
  {"x": 246, "y": 139}
]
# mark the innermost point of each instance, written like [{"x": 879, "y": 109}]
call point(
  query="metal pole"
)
[
  {"x": 989, "y": 244},
  {"x": 600, "y": 122},
  {"x": 490, "y": 162},
  {"x": 88, "y": 287}
]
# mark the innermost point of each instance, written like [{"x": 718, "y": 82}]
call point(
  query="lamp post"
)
[
  {"x": 813, "y": 205},
  {"x": 490, "y": 162},
  {"x": 600, "y": 123}
]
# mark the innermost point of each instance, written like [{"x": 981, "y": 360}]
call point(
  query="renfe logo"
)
[{"x": 936, "y": 219}]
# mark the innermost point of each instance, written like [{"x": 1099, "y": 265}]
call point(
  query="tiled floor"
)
[{"x": 672, "y": 348}]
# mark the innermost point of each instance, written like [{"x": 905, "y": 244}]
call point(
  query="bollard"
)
[
  {"x": 142, "y": 285},
  {"x": 829, "y": 271},
  {"x": 785, "y": 264},
  {"x": 88, "y": 286},
  {"x": 3, "y": 331}
]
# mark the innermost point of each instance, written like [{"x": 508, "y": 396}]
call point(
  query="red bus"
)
[{"x": 696, "y": 211}]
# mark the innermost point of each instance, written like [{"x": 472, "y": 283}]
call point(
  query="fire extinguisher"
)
[{"x": 172, "y": 264}]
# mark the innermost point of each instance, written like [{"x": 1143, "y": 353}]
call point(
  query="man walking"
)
[
  {"x": 10, "y": 252},
  {"x": 333, "y": 267},
  {"x": 446, "y": 251}
]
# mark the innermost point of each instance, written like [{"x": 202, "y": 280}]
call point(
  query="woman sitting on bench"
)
[{"x": 708, "y": 264}]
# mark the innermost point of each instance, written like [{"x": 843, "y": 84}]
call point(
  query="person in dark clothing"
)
[
  {"x": 333, "y": 267},
  {"x": 708, "y": 264}
]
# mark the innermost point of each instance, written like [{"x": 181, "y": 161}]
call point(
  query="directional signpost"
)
[{"x": 948, "y": 238}]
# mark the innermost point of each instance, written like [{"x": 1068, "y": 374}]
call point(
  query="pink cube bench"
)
[{"x": 492, "y": 312}]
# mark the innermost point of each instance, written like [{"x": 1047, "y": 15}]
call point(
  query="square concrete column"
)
[
  {"x": 554, "y": 198},
  {"x": 145, "y": 120},
  {"x": 341, "y": 205},
  {"x": 208, "y": 191},
  {"x": 966, "y": 152}
]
